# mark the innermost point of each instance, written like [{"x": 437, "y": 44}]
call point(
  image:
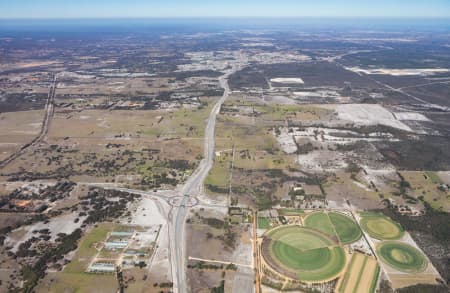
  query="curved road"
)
[{"x": 194, "y": 185}]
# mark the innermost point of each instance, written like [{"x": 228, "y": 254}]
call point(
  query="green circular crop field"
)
[
  {"x": 347, "y": 230},
  {"x": 304, "y": 253},
  {"x": 402, "y": 256},
  {"x": 380, "y": 227},
  {"x": 321, "y": 222}
]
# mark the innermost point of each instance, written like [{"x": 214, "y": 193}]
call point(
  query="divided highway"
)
[{"x": 194, "y": 185}]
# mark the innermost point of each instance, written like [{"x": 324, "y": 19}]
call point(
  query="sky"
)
[{"x": 223, "y": 8}]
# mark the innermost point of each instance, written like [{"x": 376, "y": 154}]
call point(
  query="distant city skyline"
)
[{"x": 230, "y": 8}]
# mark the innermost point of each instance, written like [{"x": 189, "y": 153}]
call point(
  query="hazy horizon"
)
[{"x": 233, "y": 8}]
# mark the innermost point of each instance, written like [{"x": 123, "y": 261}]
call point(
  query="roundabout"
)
[
  {"x": 402, "y": 257},
  {"x": 179, "y": 201},
  {"x": 303, "y": 254}
]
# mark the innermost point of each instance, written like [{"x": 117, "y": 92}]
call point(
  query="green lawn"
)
[
  {"x": 434, "y": 177},
  {"x": 74, "y": 278},
  {"x": 291, "y": 212},
  {"x": 263, "y": 223},
  {"x": 301, "y": 238},
  {"x": 321, "y": 222},
  {"x": 381, "y": 227},
  {"x": 86, "y": 249},
  {"x": 297, "y": 259},
  {"x": 329, "y": 270},
  {"x": 402, "y": 256},
  {"x": 347, "y": 230},
  {"x": 306, "y": 252},
  {"x": 373, "y": 283}
]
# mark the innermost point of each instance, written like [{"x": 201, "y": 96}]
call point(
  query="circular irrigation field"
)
[
  {"x": 347, "y": 230},
  {"x": 335, "y": 224},
  {"x": 303, "y": 253},
  {"x": 402, "y": 256},
  {"x": 380, "y": 227}
]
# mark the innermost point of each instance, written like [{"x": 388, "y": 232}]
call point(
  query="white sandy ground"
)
[
  {"x": 287, "y": 80},
  {"x": 317, "y": 94},
  {"x": 400, "y": 72},
  {"x": 147, "y": 213},
  {"x": 152, "y": 211},
  {"x": 244, "y": 280},
  {"x": 277, "y": 57},
  {"x": 445, "y": 176},
  {"x": 360, "y": 185},
  {"x": 287, "y": 139},
  {"x": 249, "y": 45},
  {"x": 278, "y": 99},
  {"x": 367, "y": 114},
  {"x": 61, "y": 224},
  {"x": 322, "y": 160},
  {"x": 411, "y": 116},
  {"x": 378, "y": 177}
]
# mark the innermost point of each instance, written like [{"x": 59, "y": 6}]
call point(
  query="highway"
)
[
  {"x": 194, "y": 185},
  {"x": 49, "y": 111}
]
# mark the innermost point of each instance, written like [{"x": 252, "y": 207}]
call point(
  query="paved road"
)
[
  {"x": 49, "y": 111},
  {"x": 194, "y": 185}
]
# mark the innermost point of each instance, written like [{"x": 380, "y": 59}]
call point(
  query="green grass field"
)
[
  {"x": 381, "y": 227},
  {"x": 290, "y": 212},
  {"x": 309, "y": 253},
  {"x": 300, "y": 238},
  {"x": 347, "y": 230},
  {"x": 435, "y": 179},
  {"x": 402, "y": 256},
  {"x": 321, "y": 222},
  {"x": 74, "y": 278},
  {"x": 263, "y": 223},
  {"x": 86, "y": 250},
  {"x": 330, "y": 269}
]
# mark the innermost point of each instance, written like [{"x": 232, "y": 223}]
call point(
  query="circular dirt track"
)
[
  {"x": 303, "y": 254},
  {"x": 380, "y": 227},
  {"x": 402, "y": 256}
]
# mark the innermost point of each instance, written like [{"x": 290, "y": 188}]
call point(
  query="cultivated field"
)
[
  {"x": 360, "y": 276},
  {"x": 402, "y": 256},
  {"x": 321, "y": 222},
  {"x": 305, "y": 254},
  {"x": 346, "y": 229},
  {"x": 334, "y": 224},
  {"x": 380, "y": 227}
]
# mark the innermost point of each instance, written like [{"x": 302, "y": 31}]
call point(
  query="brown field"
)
[
  {"x": 17, "y": 129},
  {"x": 108, "y": 86},
  {"x": 78, "y": 142},
  {"x": 423, "y": 185},
  {"x": 255, "y": 151},
  {"x": 405, "y": 280},
  {"x": 359, "y": 274},
  {"x": 342, "y": 187},
  {"x": 24, "y": 65}
]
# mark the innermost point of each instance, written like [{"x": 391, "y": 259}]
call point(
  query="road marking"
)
[{"x": 221, "y": 262}]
